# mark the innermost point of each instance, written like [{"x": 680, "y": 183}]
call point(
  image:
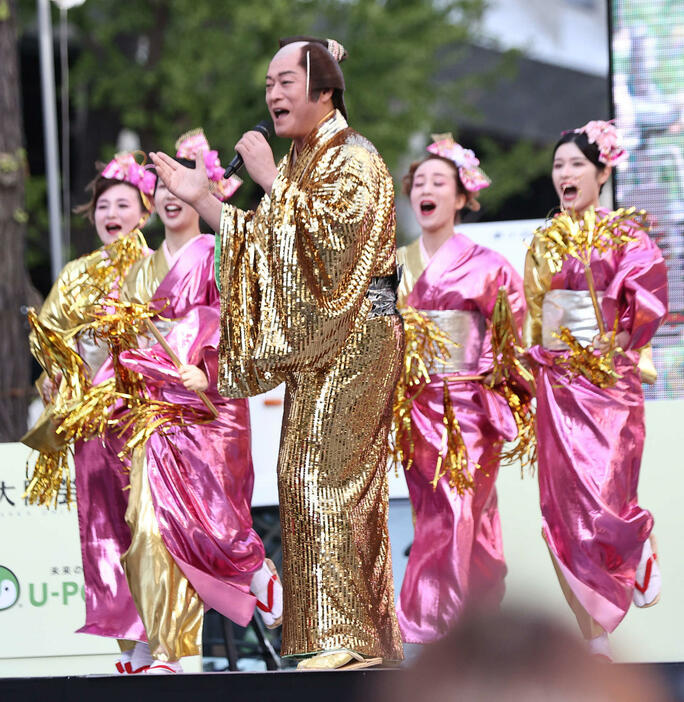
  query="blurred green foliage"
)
[
  {"x": 512, "y": 170},
  {"x": 161, "y": 67},
  {"x": 165, "y": 66}
]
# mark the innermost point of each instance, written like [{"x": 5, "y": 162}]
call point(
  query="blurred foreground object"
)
[{"x": 513, "y": 657}]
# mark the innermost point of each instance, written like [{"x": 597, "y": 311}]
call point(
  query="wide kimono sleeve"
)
[
  {"x": 637, "y": 294},
  {"x": 61, "y": 312},
  {"x": 295, "y": 273},
  {"x": 500, "y": 276},
  {"x": 192, "y": 328},
  {"x": 536, "y": 282}
]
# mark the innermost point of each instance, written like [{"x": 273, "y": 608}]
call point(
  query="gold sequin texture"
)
[{"x": 294, "y": 276}]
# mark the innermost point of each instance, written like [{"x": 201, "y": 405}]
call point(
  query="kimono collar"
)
[{"x": 331, "y": 125}]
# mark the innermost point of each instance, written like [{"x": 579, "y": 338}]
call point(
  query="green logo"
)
[{"x": 9, "y": 588}]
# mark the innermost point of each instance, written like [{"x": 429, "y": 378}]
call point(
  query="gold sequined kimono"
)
[{"x": 294, "y": 277}]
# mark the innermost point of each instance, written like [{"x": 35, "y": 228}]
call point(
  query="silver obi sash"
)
[
  {"x": 464, "y": 327},
  {"x": 95, "y": 352},
  {"x": 572, "y": 309},
  {"x": 92, "y": 351}
]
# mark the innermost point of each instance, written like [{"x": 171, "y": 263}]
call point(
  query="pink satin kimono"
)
[
  {"x": 590, "y": 439},
  {"x": 457, "y": 553},
  {"x": 200, "y": 475}
]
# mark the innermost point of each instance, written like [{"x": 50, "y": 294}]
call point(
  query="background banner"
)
[{"x": 647, "y": 70}]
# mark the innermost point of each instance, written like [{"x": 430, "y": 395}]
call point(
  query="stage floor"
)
[{"x": 281, "y": 686}]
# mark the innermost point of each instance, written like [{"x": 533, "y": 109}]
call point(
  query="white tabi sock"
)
[
  {"x": 260, "y": 580},
  {"x": 647, "y": 578},
  {"x": 141, "y": 656},
  {"x": 260, "y": 589}
]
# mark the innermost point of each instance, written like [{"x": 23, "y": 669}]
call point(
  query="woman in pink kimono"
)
[
  {"x": 192, "y": 544},
  {"x": 590, "y": 438},
  {"x": 457, "y": 553}
]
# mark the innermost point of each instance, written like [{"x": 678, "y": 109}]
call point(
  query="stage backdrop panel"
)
[
  {"x": 647, "y": 72},
  {"x": 41, "y": 585}
]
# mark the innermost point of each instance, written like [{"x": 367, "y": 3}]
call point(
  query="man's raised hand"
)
[
  {"x": 190, "y": 185},
  {"x": 258, "y": 158}
]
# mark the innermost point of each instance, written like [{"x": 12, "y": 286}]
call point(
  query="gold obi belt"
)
[
  {"x": 572, "y": 309},
  {"x": 465, "y": 328}
]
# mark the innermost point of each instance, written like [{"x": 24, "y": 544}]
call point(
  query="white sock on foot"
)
[
  {"x": 124, "y": 658},
  {"x": 261, "y": 580},
  {"x": 164, "y": 668},
  {"x": 141, "y": 657},
  {"x": 649, "y": 582}
]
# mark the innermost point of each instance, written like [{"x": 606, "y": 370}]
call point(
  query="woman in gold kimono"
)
[
  {"x": 120, "y": 202},
  {"x": 308, "y": 291}
]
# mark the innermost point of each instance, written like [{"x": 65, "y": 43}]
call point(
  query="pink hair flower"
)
[
  {"x": 607, "y": 138},
  {"x": 468, "y": 165},
  {"x": 194, "y": 142},
  {"x": 125, "y": 168}
]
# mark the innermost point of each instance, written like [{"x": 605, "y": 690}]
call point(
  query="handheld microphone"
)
[{"x": 264, "y": 128}]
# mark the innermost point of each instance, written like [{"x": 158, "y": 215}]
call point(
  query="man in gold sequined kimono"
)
[{"x": 308, "y": 290}]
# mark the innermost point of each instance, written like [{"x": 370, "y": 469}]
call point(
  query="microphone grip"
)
[{"x": 264, "y": 128}]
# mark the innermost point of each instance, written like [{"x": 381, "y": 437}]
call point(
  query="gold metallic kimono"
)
[
  {"x": 67, "y": 307},
  {"x": 294, "y": 277}
]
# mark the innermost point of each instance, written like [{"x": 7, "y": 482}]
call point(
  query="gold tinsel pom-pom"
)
[
  {"x": 119, "y": 323},
  {"x": 597, "y": 368},
  {"x": 91, "y": 416},
  {"x": 109, "y": 267},
  {"x": 425, "y": 343},
  {"x": 508, "y": 372},
  {"x": 453, "y": 458},
  {"x": 58, "y": 358},
  {"x": 51, "y": 467},
  {"x": 149, "y": 417},
  {"x": 565, "y": 236},
  {"x": 49, "y": 472}
]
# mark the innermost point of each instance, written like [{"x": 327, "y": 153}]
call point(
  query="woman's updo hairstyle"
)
[
  {"x": 581, "y": 141},
  {"x": 98, "y": 186},
  {"x": 471, "y": 197}
]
